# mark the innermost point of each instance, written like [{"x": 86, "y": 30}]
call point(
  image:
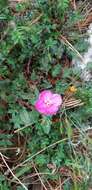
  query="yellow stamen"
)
[{"x": 72, "y": 89}]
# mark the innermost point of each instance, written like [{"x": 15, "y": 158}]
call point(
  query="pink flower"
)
[{"x": 48, "y": 103}]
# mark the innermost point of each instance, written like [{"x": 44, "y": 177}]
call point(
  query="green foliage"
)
[
  {"x": 32, "y": 58},
  {"x": 5, "y": 140},
  {"x": 56, "y": 70},
  {"x": 3, "y": 183},
  {"x": 46, "y": 125},
  {"x": 3, "y": 3},
  {"x": 62, "y": 5}
]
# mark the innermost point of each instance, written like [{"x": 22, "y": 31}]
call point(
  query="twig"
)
[
  {"x": 49, "y": 185},
  {"x": 60, "y": 183},
  {"x": 11, "y": 148},
  {"x": 24, "y": 103},
  {"x": 22, "y": 128},
  {"x": 34, "y": 175},
  {"x": 36, "y": 20},
  {"x": 63, "y": 182},
  {"x": 74, "y": 4},
  {"x": 15, "y": 177},
  {"x": 73, "y": 106},
  {"x": 42, "y": 150},
  {"x": 39, "y": 176},
  {"x": 28, "y": 67},
  {"x": 39, "y": 152},
  {"x": 71, "y": 47}
]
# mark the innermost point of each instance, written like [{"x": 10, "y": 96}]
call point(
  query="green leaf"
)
[
  {"x": 69, "y": 128},
  {"x": 24, "y": 116},
  {"x": 67, "y": 73},
  {"x": 63, "y": 5},
  {"x": 56, "y": 70},
  {"x": 46, "y": 125},
  {"x": 34, "y": 115},
  {"x": 41, "y": 160},
  {"x": 2, "y": 178},
  {"x": 22, "y": 171}
]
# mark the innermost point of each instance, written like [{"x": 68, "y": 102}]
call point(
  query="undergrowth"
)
[{"x": 38, "y": 41}]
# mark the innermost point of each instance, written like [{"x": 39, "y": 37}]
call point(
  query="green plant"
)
[{"x": 34, "y": 57}]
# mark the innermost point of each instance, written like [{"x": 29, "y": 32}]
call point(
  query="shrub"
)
[{"x": 36, "y": 55}]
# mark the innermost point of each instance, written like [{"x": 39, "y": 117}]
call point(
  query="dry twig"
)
[{"x": 15, "y": 177}]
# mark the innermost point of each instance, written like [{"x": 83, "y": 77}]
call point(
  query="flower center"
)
[{"x": 47, "y": 102}]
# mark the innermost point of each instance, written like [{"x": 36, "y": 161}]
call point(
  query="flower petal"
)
[
  {"x": 45, "y": 95},
  {"x": 57, "y": 99},
  {"x": 48, "y": 103}
]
